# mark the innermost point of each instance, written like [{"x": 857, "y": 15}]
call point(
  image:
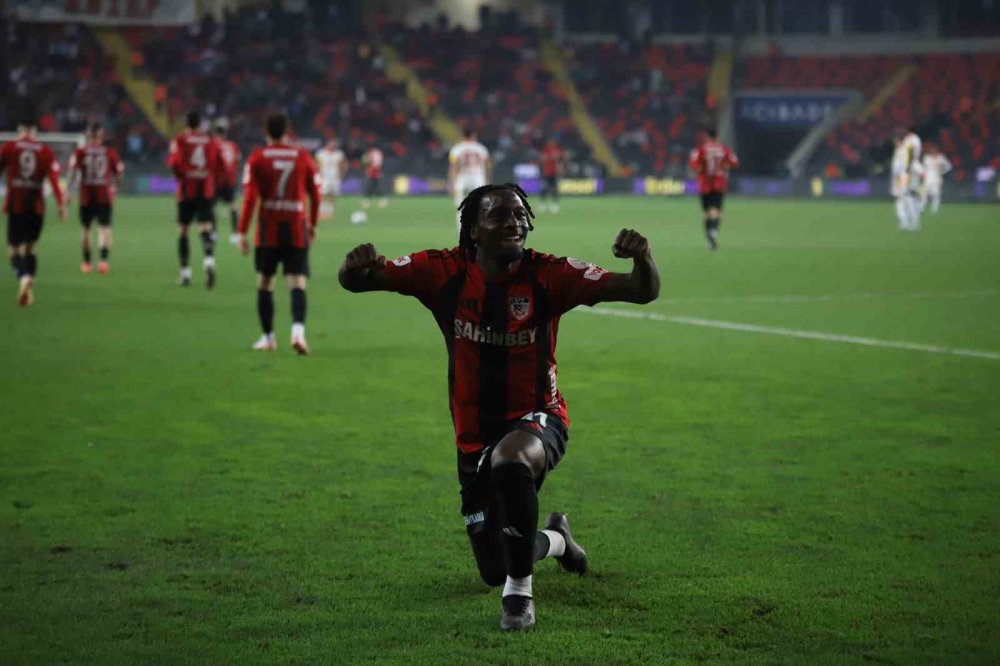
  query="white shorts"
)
[
  {"x": 465, "y": 184},
  {"x": 330, "y": 187}
]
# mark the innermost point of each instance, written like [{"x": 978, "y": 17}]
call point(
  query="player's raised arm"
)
[
  {"x": 57, "y": 189},
  {"x": 642, "y": 285},
  {"x": 363, "y": 270}
]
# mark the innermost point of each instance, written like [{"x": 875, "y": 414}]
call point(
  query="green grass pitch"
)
[{"x": 168, "y": 496}]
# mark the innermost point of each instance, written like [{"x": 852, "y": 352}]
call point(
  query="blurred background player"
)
[
  {"x": 936, "y": 165},
  {"x": 373, "y": 160},
  {"x": 906, "y": 179},
  {"x": 280, "y": 177},
  {"x": 553, "y": 158},
  {"x": 711, "y": 161},
  {"x": 469, "y": 167},
  {"x": 27, "y": 163},
  {"x": 99, "y": 171},
  {"x": 194, "y": 159},
  {"x": 225, "y": 177},
  {"x": 332, "y": 168}
]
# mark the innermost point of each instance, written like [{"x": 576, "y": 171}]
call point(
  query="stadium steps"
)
[
  {"x": 720, "y": 74},
  {"x": 887, "y": 90},
  {"x": 398, "y": 71},
  {"x": 139, "y": 87},
  {"x": 585, "y": 123}
]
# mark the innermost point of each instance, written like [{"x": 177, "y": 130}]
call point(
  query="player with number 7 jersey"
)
[{"x": 280, "y": 178}]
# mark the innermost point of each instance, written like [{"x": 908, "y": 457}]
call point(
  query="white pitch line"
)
[
  {"x": 809, "y": 298},
  {"x": 794, "y": 333}
]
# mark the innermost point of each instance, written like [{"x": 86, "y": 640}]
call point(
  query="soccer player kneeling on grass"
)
[
  {"x": 498, "y": 306},
  {"x": 280, "y": 177}
]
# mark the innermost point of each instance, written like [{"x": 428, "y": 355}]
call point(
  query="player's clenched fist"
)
[
  {"x": 630, "y": 244},
  {"x": 363, "y": 256}
]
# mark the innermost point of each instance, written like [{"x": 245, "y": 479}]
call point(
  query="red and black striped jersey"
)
[
  {"x": 500, "y": 334},
  {"x": 28, "y": 163},
  {"x": 284, "y": 180},
  {"x": 194, "y": 159},
  {"x": 98, "y": 166}
]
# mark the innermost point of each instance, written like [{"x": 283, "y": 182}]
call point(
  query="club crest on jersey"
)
[
  {"x": 519, "y": 307},
  {"x": 402, "y": 261}
]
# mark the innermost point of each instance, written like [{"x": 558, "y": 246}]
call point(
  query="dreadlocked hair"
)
[{"x": 469, "y": 209}]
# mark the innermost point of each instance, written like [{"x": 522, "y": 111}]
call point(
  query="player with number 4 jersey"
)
[
  {"x": 281, "y": 178},
  {"x": 194, "y": 159}
]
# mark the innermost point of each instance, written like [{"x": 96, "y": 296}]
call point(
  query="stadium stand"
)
[
  {"x": 649, "y": 99},
  {"x": 60, "y": 73},
  {"x": 519, "y": 104},
  {"x": 950, "y": 99}
]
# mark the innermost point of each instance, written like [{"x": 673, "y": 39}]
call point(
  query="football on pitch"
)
[{"x": 359, "y": 217}]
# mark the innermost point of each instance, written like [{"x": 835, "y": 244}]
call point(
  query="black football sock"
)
[
  {"x": 517, "y": 509},
  {"x": 17, "y": 261},
  {"x": 207, "y": 244},
  {"x": 298, "y": 306},
  {"x": 265, "y": 310},
  {"x": 232, "y": 219},
  {"x": 184, "y": 250},
  {"x": 31, "y": 264},
  {"x": 86, "y": 255},
  {"x": 104, "y": 253},
  {"x": 14, "y": 263}
]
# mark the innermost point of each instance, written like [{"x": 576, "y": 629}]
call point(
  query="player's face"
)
[{"x": 502, "y": 226}]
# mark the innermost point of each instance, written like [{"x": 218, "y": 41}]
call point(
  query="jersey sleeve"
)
[
  {"x": 117, "y": 166},
  {"x": 250, "y": 195},
  {"x": 731, "y": 158},
  {"x": 421, "y": 274},
  {"x": 312, "y": 187},
  {"x": 54, "y": 177},
  {"x": 694, "y": 160},
  {"x": 571, "y": 282},
  {"x": 174, "y": 158}
]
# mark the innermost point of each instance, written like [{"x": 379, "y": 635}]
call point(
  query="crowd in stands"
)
[
  {"x": 59, "y": 74},
  {"x": 330, "y": 82},
  {"x": 648, "y": 99},
  {"x": 950, "y": 99},
  {"x": 499, "y": 87}
]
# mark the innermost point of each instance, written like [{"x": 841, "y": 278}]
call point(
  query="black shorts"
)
[
  {"x": 474, "y": 468},
  {"x": 225, "y": 193},
  {"x": 198, "y": 208},
  {"x": 99, "y": 212},
  {"x": 550, "y": 185},
  {"x": 712, "y": 200},
  {"x": 23, "y": 228},
  {"x": 294, "y": 260},
  {"x": 373, "y": 187}
]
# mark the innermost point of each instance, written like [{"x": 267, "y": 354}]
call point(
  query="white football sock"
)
[
  {"x": 209, "y": 262},
  {"x": 914, "y": 213},
  {"x": 901, "y": 212},
  {"x": 518, "y": 586},
  {"x": 557, "y": 544},
  {"x": 298, "y": 330}
]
